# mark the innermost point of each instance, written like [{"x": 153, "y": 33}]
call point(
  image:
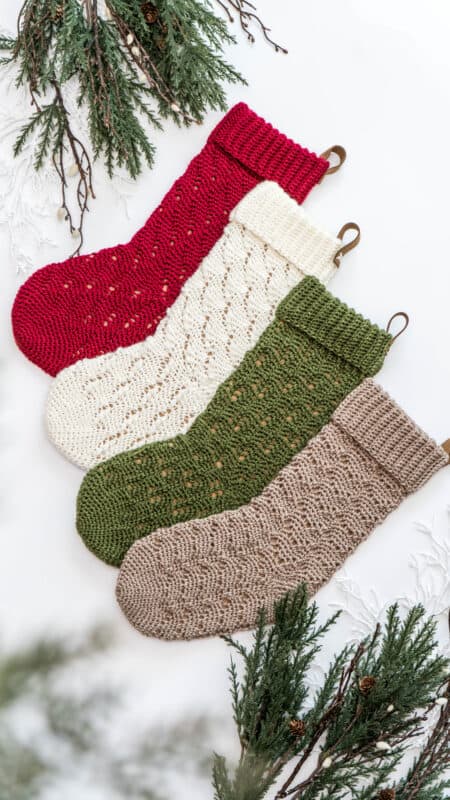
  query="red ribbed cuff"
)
[{"x": 266, "y": 152}]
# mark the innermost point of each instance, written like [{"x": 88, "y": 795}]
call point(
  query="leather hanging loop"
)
[
  {"x": 405, "y": 318},
  {"x": 349, "y": 226},
  {"x": 446, "y": 446},
  {"x": 338, "y": 151}
]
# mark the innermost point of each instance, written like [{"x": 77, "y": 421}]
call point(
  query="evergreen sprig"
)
[
  {"x": 142, "y": 60},
  {"x": 429, "y": 778},
  {"x": 27, "y": 678},
  {"x": 347, "y": 740},
  {"x": 78, "y": 731}
]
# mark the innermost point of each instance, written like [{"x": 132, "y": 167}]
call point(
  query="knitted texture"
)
[
  {"x": 154, "y": 389},
  {"x": 93, "y": 304},
  {"x": 286, "y": 388},
  {"x": 211, "y": 576}
]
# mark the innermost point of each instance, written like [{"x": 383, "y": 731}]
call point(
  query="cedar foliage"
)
[
  {"x": 137, "y": 64},
  {"x": 75, "y": 729},
  {"x": 348, "y": 739}
]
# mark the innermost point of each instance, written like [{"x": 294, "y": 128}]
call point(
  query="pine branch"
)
[
  {"x": 19, "y": 671},
  {"x": 170, "y": 55},
  {"x": 325, "y": 720},
  {"x": 8, "y": 44},
  {"x": 73, "y": 738},
  {"x": 141, "y": 58},
  {"x": 370, "y": 707},
  {"x": 425, "y": 775},
  {"x": 271, "y": 693}
]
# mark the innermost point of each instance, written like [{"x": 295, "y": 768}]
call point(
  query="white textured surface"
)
[
  {"x": 155, "y": 389},
  {"x": 374, "y": 77}
]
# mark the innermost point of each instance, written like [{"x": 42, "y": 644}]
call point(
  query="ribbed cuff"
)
[
  {"x": 268, "y": 153},
  {"x": 333, "y": 324},
  {"x": 275, "y": 218},
  {"x": 386, "y": 432}
]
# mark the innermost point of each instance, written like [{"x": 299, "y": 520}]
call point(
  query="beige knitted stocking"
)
[{"x": 211, "y": 576}]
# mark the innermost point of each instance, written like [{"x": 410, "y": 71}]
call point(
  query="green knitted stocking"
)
[{"x": 314, "y": 353}]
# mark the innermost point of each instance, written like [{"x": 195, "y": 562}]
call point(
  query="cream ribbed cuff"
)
[{"x": 275, "y": 218}]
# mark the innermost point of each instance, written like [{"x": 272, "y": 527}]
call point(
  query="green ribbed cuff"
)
[{"x": 329, "y": 321}]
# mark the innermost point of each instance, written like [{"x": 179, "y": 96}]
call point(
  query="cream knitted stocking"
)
[
  {"x": 153, "y": 390},
  {"x": 212, "y": 575}
]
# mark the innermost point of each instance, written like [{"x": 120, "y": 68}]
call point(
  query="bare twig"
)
[
  {"x": 246, "y": 12},
  {"x": 84, "y": 169}
]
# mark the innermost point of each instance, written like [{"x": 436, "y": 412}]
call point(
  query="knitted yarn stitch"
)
[
  {"x": 93, "y": 304},
  {"x": 211, "y": 576},
  {"x": 286, "y": 388},
  {"x": 153, "y": 390}
]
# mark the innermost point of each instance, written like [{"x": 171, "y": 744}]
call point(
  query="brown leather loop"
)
[
  {"x": 402, "y": 330},
  {"x": 446, "y": 446},
  {"x": 349, "y": 226},
  {"x": 336, "y": 150}
]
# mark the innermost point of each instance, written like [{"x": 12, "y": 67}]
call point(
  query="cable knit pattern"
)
[
  {"x": 311, "y": 356},
  {"x": 211, "y": 576},
  {"x": 153, "y": 390},
  {"x": 93, "y": 304}
]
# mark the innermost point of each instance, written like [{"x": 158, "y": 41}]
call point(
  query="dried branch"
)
[
  {"x": 246, "y": 12},
  {"x": 83, "y": 166}
]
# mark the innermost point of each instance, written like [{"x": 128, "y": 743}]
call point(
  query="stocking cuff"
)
[
  {"x": 333, "y": 324},
  {"x": 271, "y": 215},
  {"x": 266, "y": 152},
  {"x": 390, "y": 436}
]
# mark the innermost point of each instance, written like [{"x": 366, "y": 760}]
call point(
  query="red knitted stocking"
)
[{"x": 94, "y": 304}]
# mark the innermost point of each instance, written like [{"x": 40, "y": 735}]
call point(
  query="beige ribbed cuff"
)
[{"x": 386, "y": 432}]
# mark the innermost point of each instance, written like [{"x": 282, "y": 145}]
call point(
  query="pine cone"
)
[
  {"x": 387, "y": 794},
  {"x": 366, "y": 684},
  {"x": 297, "y": 727},
  {"x": 58, "y": 12},
  {"x": 150, "y": 12}
]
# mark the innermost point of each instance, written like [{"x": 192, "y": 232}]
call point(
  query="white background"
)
[{"x": 374, "y": 77}]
